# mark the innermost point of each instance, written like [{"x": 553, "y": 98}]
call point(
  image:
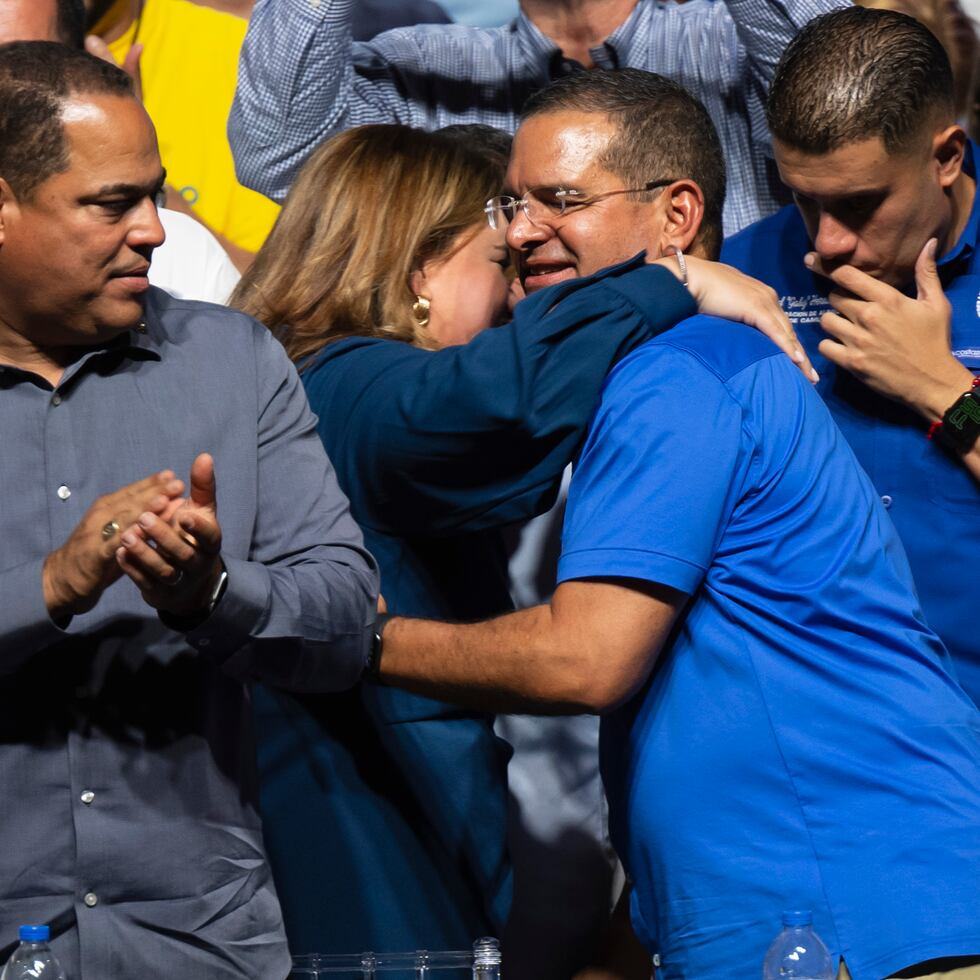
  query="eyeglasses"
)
[{"x": 549, "y": 204}]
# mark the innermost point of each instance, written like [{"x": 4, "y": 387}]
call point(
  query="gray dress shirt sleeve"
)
[
  {"x": 298, "y": 611},
  {"x": 302, "y": 79}
]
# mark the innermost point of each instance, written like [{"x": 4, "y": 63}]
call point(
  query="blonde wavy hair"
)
[{"x": 368, "y": 208}]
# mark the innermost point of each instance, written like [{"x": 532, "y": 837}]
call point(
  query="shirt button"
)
[
  {"x": 63, "y": 492},
  {"x": 87, "y": 797},
  {"x": 56, "y": 400},
  {"x": 91, "y": 899},
  {"x": 886, "y": 500}
]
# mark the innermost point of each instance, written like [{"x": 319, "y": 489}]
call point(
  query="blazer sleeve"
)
[{"x": 477, "y": 436}]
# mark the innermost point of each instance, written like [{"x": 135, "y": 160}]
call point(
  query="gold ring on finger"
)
[{"x": 108, "y": 530}]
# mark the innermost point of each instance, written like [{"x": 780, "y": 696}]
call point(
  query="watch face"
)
[
  {"x": 965, "y": 412},
  {"x": 961, "y": 424}
]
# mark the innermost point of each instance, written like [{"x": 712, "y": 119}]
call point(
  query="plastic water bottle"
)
[
  {"x": 33, "y": 957},
  {"x": 797, "y": 952},
  {"x": 486, "y": 959}
]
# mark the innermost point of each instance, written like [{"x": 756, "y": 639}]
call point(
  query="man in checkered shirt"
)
[{"x": 302, "y": 79}]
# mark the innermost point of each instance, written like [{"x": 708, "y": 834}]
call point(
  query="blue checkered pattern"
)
[{"x": 301, "y": 80}]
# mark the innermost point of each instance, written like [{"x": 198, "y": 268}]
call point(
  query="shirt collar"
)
[
  {"x": 143, "y": 342},
  {"x": 541, "y": 51},
  {"x": 137, "y": 344},
  {"x": 965, "y": 248}
]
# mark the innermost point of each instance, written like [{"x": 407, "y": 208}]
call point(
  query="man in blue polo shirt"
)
[
  {"x": 782, "y": 728},
  {"x": 879, "y": 168}
]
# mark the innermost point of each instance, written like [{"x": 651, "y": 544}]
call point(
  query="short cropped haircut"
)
[
  {"x": 662, "y": 131},
  {"x": 36, "y": 79},
  {"x": 71, "y": 23},
  {"x": 483, "y": 139},
  {"x": 857, "y": 74}
]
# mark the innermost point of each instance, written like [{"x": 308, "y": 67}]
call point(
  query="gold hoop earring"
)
[{"x": 420, "y": 311}]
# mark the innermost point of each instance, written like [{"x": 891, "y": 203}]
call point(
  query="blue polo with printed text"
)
[{"x": 929, "y": 494}]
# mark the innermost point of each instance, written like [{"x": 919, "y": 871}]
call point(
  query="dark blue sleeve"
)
[{"x": 477, "y": 436}]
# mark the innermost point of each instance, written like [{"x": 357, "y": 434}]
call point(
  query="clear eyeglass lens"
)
[{"x": 502, "y": 210}]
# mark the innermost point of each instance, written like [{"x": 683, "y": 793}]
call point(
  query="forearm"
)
[
  {"x": 294, "y": 82},
  {"x": 588, "y": 651},
  {"x": 515, "y": 663},
  {"x": 763, "y": 29}
]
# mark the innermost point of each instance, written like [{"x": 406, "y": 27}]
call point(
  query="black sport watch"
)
[{"x": 961, "y": 423}]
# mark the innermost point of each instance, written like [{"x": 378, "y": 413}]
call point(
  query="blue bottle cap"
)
[
  {"x": 35, "y": 934},
  {"x": 798, "y": 917}
]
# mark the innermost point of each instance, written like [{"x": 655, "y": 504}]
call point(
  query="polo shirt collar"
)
[{"x": 965, "y": 248}]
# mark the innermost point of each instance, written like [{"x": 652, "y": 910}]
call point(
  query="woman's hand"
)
[{"x": 720, "y": 290}]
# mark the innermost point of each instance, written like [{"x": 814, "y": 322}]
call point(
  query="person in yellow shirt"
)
[{"x": 188, "y": 70}]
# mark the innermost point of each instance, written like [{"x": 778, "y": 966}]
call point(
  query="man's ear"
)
[
  {"x": 949, "y": 152},
  {"x": 683, "y": 213},
  {"x": 8, "y": 201}
]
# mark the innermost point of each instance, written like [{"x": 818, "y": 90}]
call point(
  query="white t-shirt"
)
[{"x": 191, "y": 264}]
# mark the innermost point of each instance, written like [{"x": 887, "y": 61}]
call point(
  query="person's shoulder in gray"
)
[
  {"x": 303, "y": 79},
  {"x": 136, "y": 602}
]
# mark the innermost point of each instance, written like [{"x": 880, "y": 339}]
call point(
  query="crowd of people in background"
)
[{"x": 503, "y": 472}]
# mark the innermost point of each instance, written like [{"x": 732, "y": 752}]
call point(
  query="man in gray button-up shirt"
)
[{"x": 134, "y": 607}]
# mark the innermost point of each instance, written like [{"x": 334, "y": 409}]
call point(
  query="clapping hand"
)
[
  {"x": 77, "y": 573},
  {"x": 174, "y": 556}
]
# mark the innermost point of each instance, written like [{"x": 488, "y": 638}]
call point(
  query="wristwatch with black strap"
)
[
  {"x": 960, "y": 427},
  {"x": 373, "y": 666}
]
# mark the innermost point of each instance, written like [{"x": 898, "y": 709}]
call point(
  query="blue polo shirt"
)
[
  {"x": 929, "y": 494},
  {"x": 801, "y": 742}
]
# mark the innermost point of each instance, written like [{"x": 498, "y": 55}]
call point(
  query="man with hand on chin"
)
[
  {"x": 133, "y": 616},
  {"x": 879, "y": 269}
]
